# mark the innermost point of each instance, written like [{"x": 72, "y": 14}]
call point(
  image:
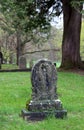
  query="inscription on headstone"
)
[{"x": 44, "y": 92}]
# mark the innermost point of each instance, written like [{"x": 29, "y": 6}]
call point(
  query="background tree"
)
[
  {"x": 72, "y": 27},
  {"x": 23, "y": 19},
  {"x": 34, "y": 14},
  {"x": 71, "y": 35}
]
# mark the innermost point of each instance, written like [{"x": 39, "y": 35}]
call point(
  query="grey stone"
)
[
  {"x": 44, "y": 92},
  {"x": 44, "y": 79},
  {"x": 22, "y": 63}
]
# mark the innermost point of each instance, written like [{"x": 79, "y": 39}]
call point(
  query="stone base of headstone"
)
[
  {"x": 38, "y": 110},
  {"x": 38, "y": 116}
]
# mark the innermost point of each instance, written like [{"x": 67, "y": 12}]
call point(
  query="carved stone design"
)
[{"x": 44, "y": 79}]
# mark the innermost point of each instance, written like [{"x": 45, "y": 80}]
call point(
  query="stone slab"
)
[{"x": 37, "y": 116}]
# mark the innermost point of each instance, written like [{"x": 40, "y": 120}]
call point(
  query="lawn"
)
[
  {"x": 9, "y": 66},
  {"x": 15, "y": 90}
]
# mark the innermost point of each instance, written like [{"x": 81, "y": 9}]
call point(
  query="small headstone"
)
[
  {"x": 31, "y": 64},
  {"x": 0, "y": 63},
  {"x": 45, "y": 100},
  {"x": 1, "y": 57},
  {"x": 22, "y": 63}
]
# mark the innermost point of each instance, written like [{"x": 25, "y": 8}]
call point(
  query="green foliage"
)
[
  {"x": 78, "y": 4},
  {"x": 15, "y": 90},
  {"x": 23, "y": 15},
  {"x": 29, "y": 15}
]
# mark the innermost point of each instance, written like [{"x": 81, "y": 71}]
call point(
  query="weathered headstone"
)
[
  {"x": 22, "y": 62},
  {"x": 31, "y": 64},
  {"x": 0, "y": 63},
  {"x": 1, "y": 57},
  {"x": 44, "y": 93}
]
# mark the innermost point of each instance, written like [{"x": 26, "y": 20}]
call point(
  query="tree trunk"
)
[
  {"x": 71, "y": 37},
  {"x": 18, "y": 46}
]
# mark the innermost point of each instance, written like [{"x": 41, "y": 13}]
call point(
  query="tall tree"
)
[
  {"x": 72, "y": 27},
  {"x": 71, "y": 35}
]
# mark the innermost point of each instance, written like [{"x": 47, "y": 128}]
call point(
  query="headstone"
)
[
  {"x": 0, "y": 63},
  {"x": 22, "y": 62},
  {"x": 45, "y": 100},
  {"x": 1, "y": 57},
  {"x": 31, "y": 64}
]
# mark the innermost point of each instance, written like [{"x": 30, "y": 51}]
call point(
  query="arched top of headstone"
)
[{"x": 44, "y": 78}]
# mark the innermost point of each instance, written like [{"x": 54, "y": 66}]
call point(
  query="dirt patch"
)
[
  {"x": 80, "y": 72},
  {"x": 77, "y": 71}
]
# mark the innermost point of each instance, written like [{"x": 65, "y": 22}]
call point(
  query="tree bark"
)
[
  {"x": 71, "y": 37},
  {"x": 19, "y": 49}
]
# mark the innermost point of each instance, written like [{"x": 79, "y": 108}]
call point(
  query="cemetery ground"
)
[{"x": 15, "y": 91}]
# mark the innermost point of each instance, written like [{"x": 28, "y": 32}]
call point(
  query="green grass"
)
[
  {"x": 15, "y": 90},
  {"x": 9, "y": 66}
]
